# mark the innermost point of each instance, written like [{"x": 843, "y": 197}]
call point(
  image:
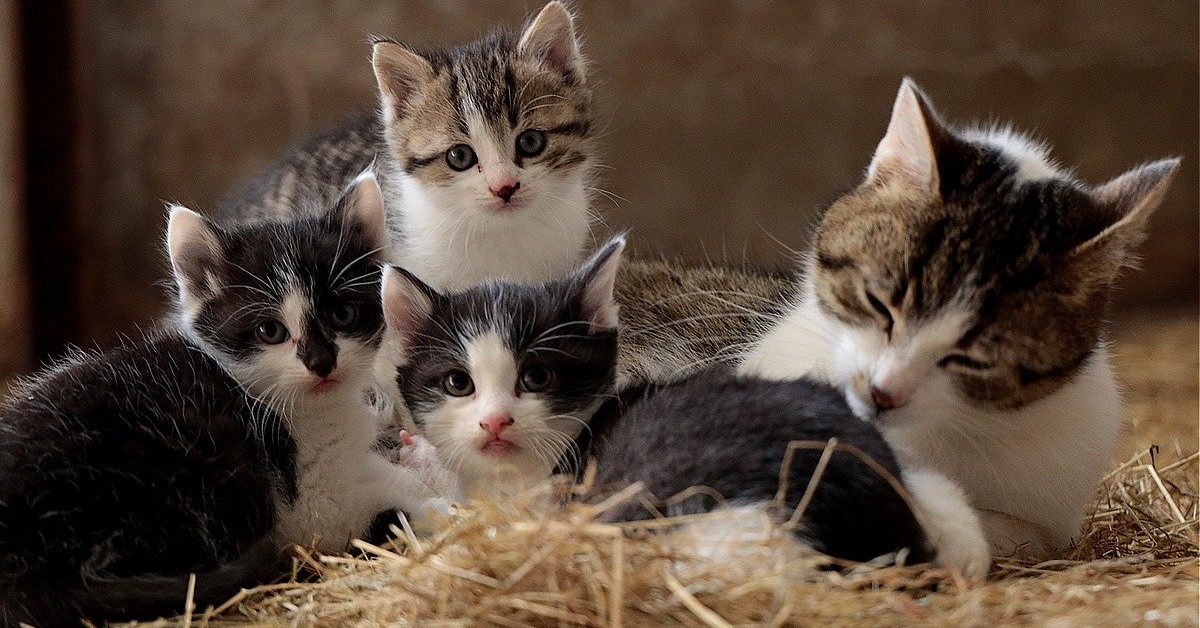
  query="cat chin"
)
[{"x": 555, "y": 214}]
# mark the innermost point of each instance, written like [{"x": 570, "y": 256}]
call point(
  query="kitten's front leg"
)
[
  {"x": 423, "y": 489},
  {"x": 952, "y": 525}
]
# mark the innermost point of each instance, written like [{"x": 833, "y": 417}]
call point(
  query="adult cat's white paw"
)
[{"x": 953, "y": 527}]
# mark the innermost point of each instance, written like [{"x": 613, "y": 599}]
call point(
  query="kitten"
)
[
  {"x": 958, "y": 297},
  {"x": 126, "y": 469},
  {"x": 502, "y": 377},
  {"x": 481, "y": 149},
  {"x": 731, "y": 434},
  {"x": 292, "y": 311}
]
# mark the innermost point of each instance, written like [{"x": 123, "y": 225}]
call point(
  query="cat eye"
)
[
  {"x": 965, "y": 362},
  {"x": 536, "y": 379},
  {"x": 531, "y": 143},
  {"x": 344, "y": 316},
  {"x": 883, "y": 311},
  {"x": 271, "y": 332},
  {"x": 458, "y": 384},
  {"x": 460, "y": 157}
]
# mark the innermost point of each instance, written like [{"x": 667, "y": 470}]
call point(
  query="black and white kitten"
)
[
  {"x": 122, "y": 471},
  {"x": 481, "y": 149},
  {"x": 731, "y": 434},
  {"x": 501, "y": 378},
  {"x": 292, "y": 311}
]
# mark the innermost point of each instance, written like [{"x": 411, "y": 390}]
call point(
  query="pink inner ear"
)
[{"x": 405, "y": 305}]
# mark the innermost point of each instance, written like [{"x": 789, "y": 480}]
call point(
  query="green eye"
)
[
  {"x": 536, "y": 379},
  {"x": 271, "y": 332},
  {"x": 531, "y": 143},
  {"x": 344, "y": 316},
  {"x": 458, "y": 384},
  {"x": 460, "y": 157}
]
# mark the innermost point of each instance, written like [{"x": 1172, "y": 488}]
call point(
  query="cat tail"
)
[
  {"x": 149, "y": 596},
  {"x": 104, "y": 599}
]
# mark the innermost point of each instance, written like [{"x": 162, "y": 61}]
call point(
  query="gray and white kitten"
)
[
  {"x": 485, "y": 153},
  {"x": 501, "y": 378},
  {"x": 291, "y": 310},
  {"x": 958, "y": 298}
]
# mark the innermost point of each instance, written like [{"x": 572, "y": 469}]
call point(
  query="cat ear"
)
[
  {"x": 1130, "y": 199},
  {"x": 407, "y": 302},
  {"x": 399, "y": 73},
  {"x": 362, "y": 204},
  {"x": 551, "y": 37},
  {"x": 906, "y": 152},
  {"x": 195, "y": 250},
  {"x": 596, "y": 280}
]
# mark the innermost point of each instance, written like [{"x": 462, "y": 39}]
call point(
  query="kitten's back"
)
[
  {"x": 731, "y": 434},
  {"x": 129, "y": 469},
  {"x": 677, "y": 319},
  {"x": 311, "y": 175}
]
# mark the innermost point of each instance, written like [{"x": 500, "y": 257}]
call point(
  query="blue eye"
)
[
  {"x": 458, "y": 384},
  {"x": 460, "y": 157},
  {"x": 271, "y": 332},
  {"x": 536, "y": 379},
  {"x": 344, "y": 316},
  {"x": 531, "y": 143}
]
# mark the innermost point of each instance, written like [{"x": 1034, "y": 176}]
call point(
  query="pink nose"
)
[
  {"x": 887, "y": 400},
  {"x": 506, "y": 190},
  {"x": 496, "y": 423}
]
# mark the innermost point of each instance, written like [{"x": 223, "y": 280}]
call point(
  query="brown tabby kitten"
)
[
  {"x": 958, "y": 298},
  {"x": 480, "y": 150}
]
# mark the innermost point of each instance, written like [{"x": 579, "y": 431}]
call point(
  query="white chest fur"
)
[
  {"x": 1030, "y": 472},
  {"x": 453, "y": 248},
  {"x": 341, "y": 483}
]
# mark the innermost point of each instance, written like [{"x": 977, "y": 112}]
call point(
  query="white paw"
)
[{"x": 953, "y": 527}]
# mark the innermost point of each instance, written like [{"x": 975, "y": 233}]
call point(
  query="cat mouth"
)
[
  {"x": 324, "y": 385},
  {"x": 497, "y": 446}
]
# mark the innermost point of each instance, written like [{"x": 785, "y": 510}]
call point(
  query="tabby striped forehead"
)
[
  {"x": 999, "y": 225},
  {"x": 488, "y": 88}
]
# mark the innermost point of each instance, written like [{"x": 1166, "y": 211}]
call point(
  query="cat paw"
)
[
  {"x": 417, "y": 452},
  {"x": 952, "y": 525}
]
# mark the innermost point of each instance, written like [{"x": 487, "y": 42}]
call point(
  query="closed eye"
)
[
  {"x": 883, "y": 311},
  {"x": 965, "y": 362}
]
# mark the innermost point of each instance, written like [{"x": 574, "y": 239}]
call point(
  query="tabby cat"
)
[{"x": 958, "y": 299}]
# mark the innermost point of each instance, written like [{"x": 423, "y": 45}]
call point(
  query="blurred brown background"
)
[{"x": 728, "y": 125}]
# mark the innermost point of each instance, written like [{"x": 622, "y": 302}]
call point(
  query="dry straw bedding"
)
[{"x": 1136, "y": 562}]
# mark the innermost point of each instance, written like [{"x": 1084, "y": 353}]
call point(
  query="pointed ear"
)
[
  {"x": 407, "y": 302},
  {"x": 906, "y": 153},
  {"x": 196, "y": 254},
  {"x": 362, "y": 205},
  {"x": 399, "y": 73},
  {"x": 596, "y": 280},
  {"x": 1129, "y": 199},
  {"x": 551, "y": 37}
]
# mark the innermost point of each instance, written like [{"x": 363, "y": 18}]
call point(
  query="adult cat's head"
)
[
  {"x": 496, "y": 130},
  {"x": 290, "y": 308},
  {"x": 502, "y": 377},
  {"x": 969, "y": 262}
]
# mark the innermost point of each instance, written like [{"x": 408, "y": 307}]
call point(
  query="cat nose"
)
[
  {"x": 321, "y": 367},
  {"x": 494, "y": 424},
  {"x": 318, "y": 357},
  {"x": 887, "y": 400},
  {"x": 506, "y": 190}
]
